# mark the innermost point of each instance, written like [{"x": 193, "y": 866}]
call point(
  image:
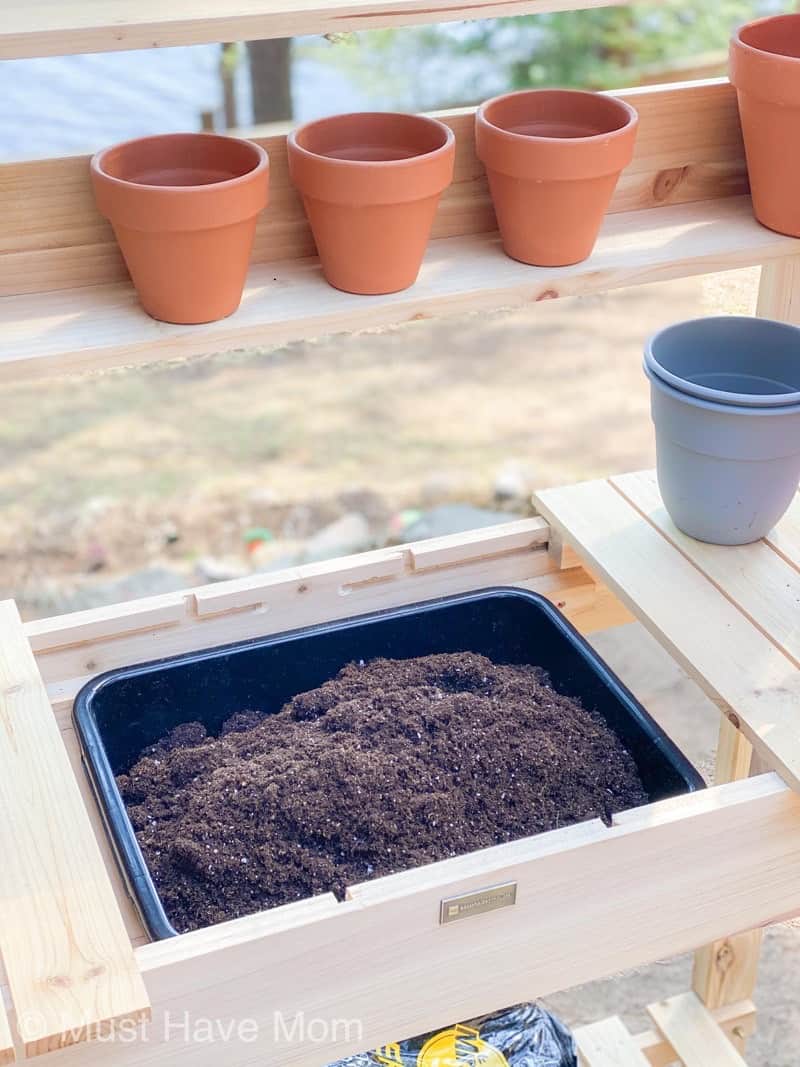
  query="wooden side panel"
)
[
  {"x": 688, "y": 148},
  {"x": 693, "y": 1032},
  {"x": 378, "y": 967},
  {"x": 67, "y": 955},
  {"x": 608, "y": 1043},
  {"x": 734, "y": 662}
]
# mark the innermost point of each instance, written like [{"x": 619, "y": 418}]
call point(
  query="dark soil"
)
[{"x": 390, "y": 765}]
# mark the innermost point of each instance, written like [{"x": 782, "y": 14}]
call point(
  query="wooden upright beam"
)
[{"x": 69, "y": 961}]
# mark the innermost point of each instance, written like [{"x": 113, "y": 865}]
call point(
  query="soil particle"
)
[{"x": 390, "y": 765}]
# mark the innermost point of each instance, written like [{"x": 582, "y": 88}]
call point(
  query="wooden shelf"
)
[
  {"x": 64, "y": 27},
  {"x": 103, "y": 326}
]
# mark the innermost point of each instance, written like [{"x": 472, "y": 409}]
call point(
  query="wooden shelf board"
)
[
  {"x": 738, "y": 642},
  {"x": 64, "y": 27},
  {"x": 103, "y": 326}
]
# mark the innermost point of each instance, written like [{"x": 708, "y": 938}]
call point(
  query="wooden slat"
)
[
  {"x": 68, "y": 959},
  {"x": 608, "y": 1043},
  {"x": 232, "y": 611},
  {"x": 716, "y": 644},
  {"x": 693, "y": 1032},
  {"x": 103, "y": 326},
  {"x": 382, "y": 958},
  {"x": 688, "y": 148},
  {"x": 61, "y": 27},
  {"x": 756, "y": 579}
]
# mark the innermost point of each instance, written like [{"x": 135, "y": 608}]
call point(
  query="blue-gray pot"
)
[
  {"x": 729, "y": 359},
  {"x": 727, "y": 472}
]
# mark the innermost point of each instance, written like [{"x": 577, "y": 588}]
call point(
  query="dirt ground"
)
[
  {"x": 158, "y": 467},
  {"x": 103, "y": 475}
]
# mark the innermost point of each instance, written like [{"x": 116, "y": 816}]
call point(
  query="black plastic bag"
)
[{"x": 523, "y": 1036}]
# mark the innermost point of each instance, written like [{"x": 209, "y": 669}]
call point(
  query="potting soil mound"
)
[{"x": 390, "y": 765}]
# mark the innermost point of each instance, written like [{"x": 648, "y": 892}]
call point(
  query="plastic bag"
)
[{"x": 523, "y": 1036}]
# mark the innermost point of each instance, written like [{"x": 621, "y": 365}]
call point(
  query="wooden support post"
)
[
  {"x": 70, "y": 964},
  {"x": 725, "y": 971},
  {"x": 779, "y": 290}
]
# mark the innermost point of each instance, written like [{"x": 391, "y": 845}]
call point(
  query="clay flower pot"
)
[
  {"x": 370, "y": 184},
  {"x": 553, "y": 157},
  {"x": 765, "y": 68},
  {"x": 183, "y": 207}
]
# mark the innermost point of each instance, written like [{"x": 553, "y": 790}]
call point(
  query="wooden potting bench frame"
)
[{"x": 705, "y": 869}]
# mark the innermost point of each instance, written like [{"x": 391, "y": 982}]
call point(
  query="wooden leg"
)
[
  {"x": 725, "y": 971},
  {"x": 779, "y": 290}
]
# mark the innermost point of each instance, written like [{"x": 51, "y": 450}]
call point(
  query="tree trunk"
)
[{"x": 270, "y": 68}]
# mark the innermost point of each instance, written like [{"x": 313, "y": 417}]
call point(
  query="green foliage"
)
[{"x": 602, "y": 48}]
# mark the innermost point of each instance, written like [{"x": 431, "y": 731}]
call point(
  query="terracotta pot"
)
[
  {"x": 553, "y": 157},
  {"x": 765, "y": 68},
  {"x": 370, "y": 184},
  {"x": 183, "y": 207}
]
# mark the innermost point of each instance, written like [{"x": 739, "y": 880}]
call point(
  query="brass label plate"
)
[{"x": 478, "y": 903}]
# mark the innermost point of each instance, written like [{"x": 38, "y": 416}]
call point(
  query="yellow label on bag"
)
[{"x": 459, "y": 1046}]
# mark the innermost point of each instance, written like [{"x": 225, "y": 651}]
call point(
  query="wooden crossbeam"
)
[
  {"x": 69, "y": 961},
  {"x": 693, "y": 1032},
  {"x": 608, "y": 1043}
]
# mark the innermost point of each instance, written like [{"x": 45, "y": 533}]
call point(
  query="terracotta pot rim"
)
[
  {"x": 753, "y": 50},
  {"x": 382, "y": 164},
  {"x": 525, "y": 138},
  {"x": 260, "y": 157}
]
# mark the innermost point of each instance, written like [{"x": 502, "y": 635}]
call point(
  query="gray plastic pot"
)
[
  {"x": 729, "y": 359},
  {"x": 727, "y": 472}
]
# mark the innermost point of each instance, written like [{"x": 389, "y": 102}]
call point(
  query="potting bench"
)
[{"x": 700, "y": 870}]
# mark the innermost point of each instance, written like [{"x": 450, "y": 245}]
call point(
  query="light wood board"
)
[
  {"x": 749, "y": 676},
  {"x": 692, "y": 1031},
  {"x": 382, "y": 958},
  {"x": 764, "y": 586},
  {"x": 61, "y": 27},
  {"x": 67, "y": 955},
  {"x": 103, "y": 326}
]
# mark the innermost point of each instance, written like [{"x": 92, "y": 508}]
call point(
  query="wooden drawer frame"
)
[{"x": 591, "y": 901}]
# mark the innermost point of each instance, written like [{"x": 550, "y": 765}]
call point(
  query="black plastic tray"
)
[{"x": 121, "y": 712}]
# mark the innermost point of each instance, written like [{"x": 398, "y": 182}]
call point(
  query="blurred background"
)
[
  {"x": 76, "y": 104},
  {"x": 134, "y": 482}
]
